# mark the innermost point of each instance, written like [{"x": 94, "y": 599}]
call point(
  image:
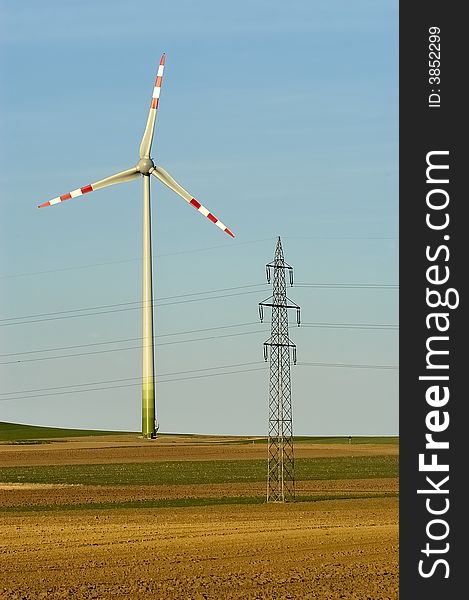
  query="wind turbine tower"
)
[{"x": 145, "y": 167}]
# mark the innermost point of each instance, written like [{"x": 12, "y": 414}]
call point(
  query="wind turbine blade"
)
[
  {"x": 166, "y": 178},
  {"x": 121, "y": 177},
  {"x": 145, "y": 146}
]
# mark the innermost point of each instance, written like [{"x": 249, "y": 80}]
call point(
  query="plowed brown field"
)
[
  {"x": 129, "y": 448},
  {"x": 307, "y": 550},
  {"x": 324, "y": 550},
  {"x": 37, "y": 494}
]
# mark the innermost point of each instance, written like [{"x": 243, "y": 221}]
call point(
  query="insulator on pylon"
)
[
  {"x": 266, "y": 352},
  {"x": 291, "y": 276},
  {"x": 294, "y": 355},
  {"x": 267, "y": 273},
  {"x": 298, "y": 316},
  {"x": 261, "y": 313}
]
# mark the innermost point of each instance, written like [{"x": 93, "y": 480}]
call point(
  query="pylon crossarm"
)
[
  {"x": 280, "y": 345},
  {"x": 279, "y": 264},
  {"x": 277, "y": 305}
]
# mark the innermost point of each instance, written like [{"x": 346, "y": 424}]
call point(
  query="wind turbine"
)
[{"x": 144, "y": 168}]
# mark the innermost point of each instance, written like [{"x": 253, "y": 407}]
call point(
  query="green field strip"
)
[
  {"x": 186, "y": 502},
  {"x": 343, "y": 440},
  {"x": 16, "y": 432},
  {"x": 201, "y": 472}
]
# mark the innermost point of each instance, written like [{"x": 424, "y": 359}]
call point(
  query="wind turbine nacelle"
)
[{"x": 145, "y": 166}]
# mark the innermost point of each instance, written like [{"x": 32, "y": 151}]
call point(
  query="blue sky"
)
[{"x": 282, "y": 121}]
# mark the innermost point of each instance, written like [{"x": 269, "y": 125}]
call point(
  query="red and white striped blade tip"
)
[
  {"x": 79, "y": 192},
  {"x": 201, "y": 208},
  {"x": 156, "y": 90}
]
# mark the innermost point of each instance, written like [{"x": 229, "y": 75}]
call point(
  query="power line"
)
[
  {"x": 97, "y": 310},
  {"x": 339, "y": 237},
  {"x": 364, "y": 326},
  {"x": 138, "y": 302},
  {"x": 126, "y": 340},
  {"x": 105, "y": 312},
  {"x": 216, "y": 337},
  {"x": 350, "y": 286},
  {"x": 59, "y": 270},
  {"x": 208, "y": 248},
  {"x": 348, "y": 365},
  {"x": 112, "y": 387},
  {"x": 62, "y": 387},
  {"x": 127, "y": 260},
  {"x": 355, "y": 366},
  {"x": 384, "y": 327}
]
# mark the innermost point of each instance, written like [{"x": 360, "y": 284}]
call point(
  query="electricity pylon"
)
[{"x": 281, "y": 466}]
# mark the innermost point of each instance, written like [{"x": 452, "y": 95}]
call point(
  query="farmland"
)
[{"x": 112, "y": 515}]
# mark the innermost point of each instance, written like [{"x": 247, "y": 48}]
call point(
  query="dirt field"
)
[
  {"x": 326, "y": 550},
  {"x": 129, "y": 448},
  {"x": 23, "y": 494},
  {"x": 307, "y": 550}
]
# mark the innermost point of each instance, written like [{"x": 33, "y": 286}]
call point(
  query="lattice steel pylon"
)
[{"x": 281, "y": 466}]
